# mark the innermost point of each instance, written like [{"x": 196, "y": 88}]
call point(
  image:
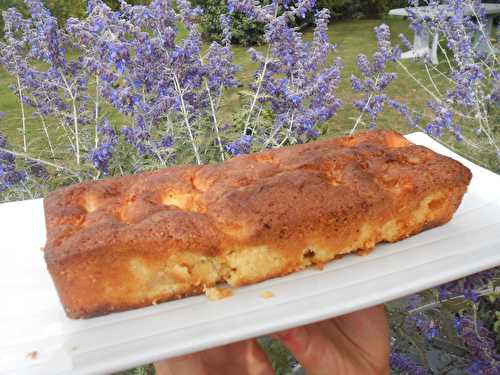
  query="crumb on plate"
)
[
  {"x": 32, "y": 355},
  {"x": 266, "y": 294}
]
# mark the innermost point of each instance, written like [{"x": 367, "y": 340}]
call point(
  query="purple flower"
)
[
  {"x": 443, "y": 121},
  {"x": 251, "y": 9},
  {"x": 225, "y": 22},
  {"x": 138, "y": 136},
  {"x": 467, "y": 287},
  {"x": 37, "y": 170},
  {"x": 384, "y": 80},
  {"x": 480, "y": 343},
  {"x": 107, "y": 130},
  {"x": 240, "y": 146},
  {"x": 374, "y": 80},
  {"x": 371, "y": 105},
  {"x": 356, "y": 84},
  {"x": 364, "y": 65},
  {"x": 9, "y": 174},
  {"x": 167, "y": 141},
  {"x": 405, "y": 42},
  {"x": 425, "y": 326},
  {"x": 295, "y": 81},
  {"x": 220, "y": 69},
  {"x": 413, "y": 301},
  {"x": 101, "y": 156},
  {"x": 406, "y": 365}
]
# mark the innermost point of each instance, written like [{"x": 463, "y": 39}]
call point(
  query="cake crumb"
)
[
  {"x": 216, "y": 293},
  {"x": 364, "y": 252},
  {"x": 74, "y": 348},
  {"x": 266, "y": 294},
  {"x": 32, "y": 355},
  {"x": 319, "y": 266}
]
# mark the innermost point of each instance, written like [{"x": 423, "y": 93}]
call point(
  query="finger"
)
[
  {"x": 313, "y": 349},
  {"x": 244, "y": 357},
  {"x": 183, "y": 365},
  {"x": 356, "y": 343},
  {"x": 364, "y": 325},
  {"x": 368, "y": 330}
]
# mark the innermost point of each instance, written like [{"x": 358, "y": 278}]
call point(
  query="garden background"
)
[{"x": 460, "y": 331}]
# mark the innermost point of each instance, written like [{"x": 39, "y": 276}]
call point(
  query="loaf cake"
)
[{"x": 133, "y": 241}]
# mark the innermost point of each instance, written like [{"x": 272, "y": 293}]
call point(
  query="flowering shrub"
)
[
  {"x": 245, "y": 31},
  {"x": 375, "y": 79},
  {"x": 463, "y": 96},
  {"x": 132, "y": 89}
]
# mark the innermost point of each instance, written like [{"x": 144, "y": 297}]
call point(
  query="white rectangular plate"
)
[{"x": 32, "y": 319}]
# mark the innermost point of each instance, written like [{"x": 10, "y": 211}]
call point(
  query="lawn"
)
[{"x": 351, "y": 38}]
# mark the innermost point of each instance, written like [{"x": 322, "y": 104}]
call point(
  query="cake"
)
[{"x": 127, "y": 242}]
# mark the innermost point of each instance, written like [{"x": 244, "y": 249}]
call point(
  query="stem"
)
[
  {"x": 27, "y": 190},
  {"x": 432, "y": 80},
  {"x": 431, "y": 305},
  {"x": 476, "y": 331},
  {"x": 75, "y": 122},
  {"x": 273, "y": 134},
  {"x": 216, "y": 125},
  {"x": 162, "y": 161},
  {"x": 75, "y": 118},
  {"x": 442, "y": 74},
  {"x": 186, "y": 120},
  {"x": 257, "y": 120},
  {"x": 289, "y": 132},
  {"x": 259, "y": 82},
  {"x": 358, "y": 120},
  {"x": 61, "y": 124},
  {"x": 486, "y": 66},
  {"x": 257, "y": 92},
  {"x": 23, "y": 114},
  {"x": 436, "y": 98},
  {"x": 445, "y": 55},
  {"x": 486, "y": 37},
  {"x": 45, "y": 162},
  {"x": 360, "y": 116},
  {"x": 418, "y": 81},
  {"x": 44, "y": 126},
  {"x": 292, "y": 117},
  {"x": 96, "y": 110},
  {"x": 484, "y": 118}
]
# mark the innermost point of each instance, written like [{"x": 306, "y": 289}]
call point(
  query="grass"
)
[{"x": 351, "y": 37}]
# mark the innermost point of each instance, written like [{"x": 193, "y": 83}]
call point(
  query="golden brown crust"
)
[{"x": 132, "y": 241}]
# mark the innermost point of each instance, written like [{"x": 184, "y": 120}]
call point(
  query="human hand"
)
[
  {"x": 241, "y": 358},
  {"x": 352, "y": 344}
]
